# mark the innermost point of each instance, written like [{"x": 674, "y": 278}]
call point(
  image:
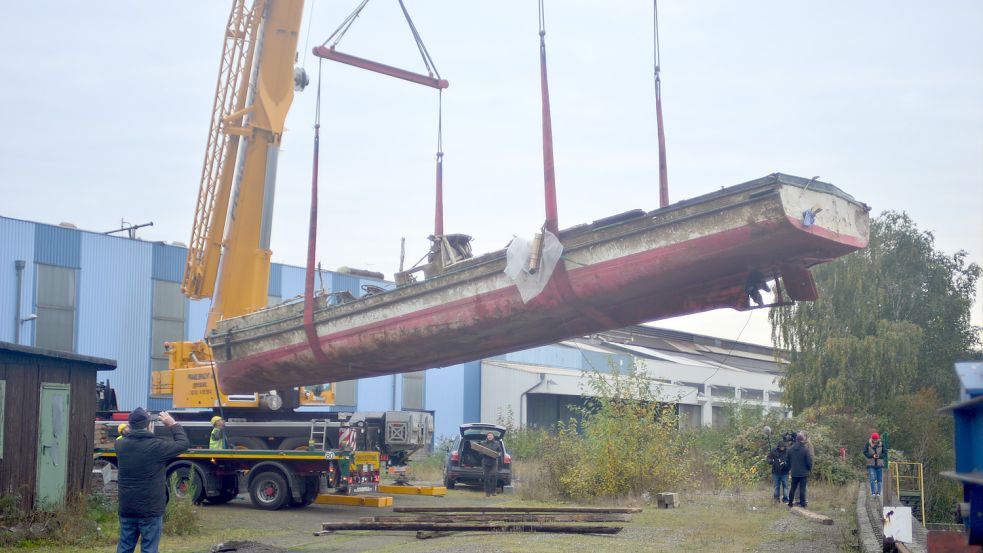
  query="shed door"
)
[{"x": 52, "y": 445}]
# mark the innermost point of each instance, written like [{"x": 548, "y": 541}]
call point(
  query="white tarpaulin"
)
[{"x": 517, "y": 264}]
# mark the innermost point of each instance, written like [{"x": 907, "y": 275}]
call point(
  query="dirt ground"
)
[{"x": 704, "y": 522}]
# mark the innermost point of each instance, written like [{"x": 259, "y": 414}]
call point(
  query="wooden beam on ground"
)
[
  {"x": 502, "y": 517},
  {"x": 471, "y": 527},
  {"x": 815, "y": 517},
  {"x": 496, "y": 509},
  {"x": 429, "y": 535}
]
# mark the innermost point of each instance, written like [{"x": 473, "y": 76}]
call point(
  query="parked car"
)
[{"x": 464, "y": 464}]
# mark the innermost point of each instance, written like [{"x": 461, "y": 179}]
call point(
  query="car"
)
[{"x": 463, "y": 464}]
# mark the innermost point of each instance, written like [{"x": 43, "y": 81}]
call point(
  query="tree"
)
[{"x": 890, "y": 320}]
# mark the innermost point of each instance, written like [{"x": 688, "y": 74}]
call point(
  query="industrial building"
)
[{"x": 66, "y": 289}]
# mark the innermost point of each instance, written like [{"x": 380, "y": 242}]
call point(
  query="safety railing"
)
[{"x": 908, "y": 482}]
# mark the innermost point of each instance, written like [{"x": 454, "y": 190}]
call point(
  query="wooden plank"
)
[
  {"x": 428, "y": 535},
  {"x": 815, "y": 517},
  {"x": 503, "y": 517},
  {"x": 472, "y": 527},
  {"x": 496, "y": 509}
]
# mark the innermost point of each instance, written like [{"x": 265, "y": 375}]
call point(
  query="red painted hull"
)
[{"x": 684, "y": 259}]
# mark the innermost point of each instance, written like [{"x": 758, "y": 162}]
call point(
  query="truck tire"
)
[
  {"x": 311, "y": 485},
  {"x": 293, "y": 444},
  {"x": 185, "y": 482},
  {"x": 268, "y": 490},
  {"x": 246, "y": 442}
]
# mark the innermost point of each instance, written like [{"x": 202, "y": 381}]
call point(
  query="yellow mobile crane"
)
[{"x": 229, "y": 253}]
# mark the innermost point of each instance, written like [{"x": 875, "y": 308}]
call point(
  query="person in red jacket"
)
[
  {"x": 142, "y": 459},
  {"x": 876, "y": 459}
]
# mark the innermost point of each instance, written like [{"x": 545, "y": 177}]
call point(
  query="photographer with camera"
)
[{"x": 142, "y": 458}]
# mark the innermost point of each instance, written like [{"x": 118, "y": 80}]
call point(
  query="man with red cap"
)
[
  {"x": 142, "y": 458},
  {"x": 876, "y": 459}
]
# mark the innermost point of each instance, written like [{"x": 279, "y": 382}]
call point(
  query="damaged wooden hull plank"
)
[{"x": 691, "y": 257}]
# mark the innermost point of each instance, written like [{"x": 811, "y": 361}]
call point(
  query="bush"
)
[
  {"x": 181, "y": 517},
  {"x": 627, "y": 442},
  {"x": 87, "y": 520}
]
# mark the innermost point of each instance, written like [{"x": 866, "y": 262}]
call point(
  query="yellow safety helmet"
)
[
  {"x": 119, "y": 429},
  {"x": 215, "y": 419}
]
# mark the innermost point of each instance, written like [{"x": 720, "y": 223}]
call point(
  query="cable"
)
[
  {"x": 307, "y": 41},
  {"x": 345, "y": 25}
]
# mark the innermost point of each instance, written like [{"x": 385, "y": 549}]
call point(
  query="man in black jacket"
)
[
  {"x": 142, "y": 459},
  {"x": 800, "y": 465},
  {"x": 490, "y": 464},
  {"x": 778, "y": 459}
]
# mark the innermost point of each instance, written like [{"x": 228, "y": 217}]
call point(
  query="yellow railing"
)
[{"x": 912, "y": 474}]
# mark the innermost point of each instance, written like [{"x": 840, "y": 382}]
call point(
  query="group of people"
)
[
  {"x": 793, "y": 461},
  {"x": 796, "y": 461},
  {"x": 141, "y": 457}
]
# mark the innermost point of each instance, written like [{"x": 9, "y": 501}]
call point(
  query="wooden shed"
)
[{"x": 47, "y": 409}]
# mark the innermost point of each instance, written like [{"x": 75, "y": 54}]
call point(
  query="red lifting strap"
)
[{"x": 329, "y": 53}]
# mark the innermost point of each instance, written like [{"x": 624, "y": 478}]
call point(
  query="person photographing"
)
[{"x": 142, "y": 459}]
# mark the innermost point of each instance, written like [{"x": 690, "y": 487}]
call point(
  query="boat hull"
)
[{"x": 687, "y": 258}]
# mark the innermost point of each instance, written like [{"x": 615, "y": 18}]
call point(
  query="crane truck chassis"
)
[{"x": 273, "y": 479}]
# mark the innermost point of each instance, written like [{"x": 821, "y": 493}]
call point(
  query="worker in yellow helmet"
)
[
  {"x": 123, "y": 429},
  {"x": 218, "y": 439}
]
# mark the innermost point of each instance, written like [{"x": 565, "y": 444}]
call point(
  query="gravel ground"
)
[{"x": 704, "y": 522}]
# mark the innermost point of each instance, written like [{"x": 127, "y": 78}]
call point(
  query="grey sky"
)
[{"x": 106, "y": 109}]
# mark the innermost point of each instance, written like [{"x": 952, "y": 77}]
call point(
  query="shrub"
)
[
  {"x": 627, "y": 442},
  {"x": 87, "y": 520},
  {"x": 181, "y": 517}
]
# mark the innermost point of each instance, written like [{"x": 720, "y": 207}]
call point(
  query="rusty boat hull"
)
[{"x": 690, "y": 257}]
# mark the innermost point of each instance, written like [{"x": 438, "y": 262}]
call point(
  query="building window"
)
[
  {"x": 344, "y": 393},
  {"x": 690, "y": 416},
  {"x": 413, "y": 390},
  {"x": 168, "y": 321},
  {"x": 722, "y": 391},
  {"x": 55, "y": 308},
  {"x": 3, "y": 407},
  {"x": 775, "y": 397},
  {"x": 750, "y": 394}
]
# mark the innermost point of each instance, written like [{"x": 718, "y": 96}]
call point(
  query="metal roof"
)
[{"x": 97, "y": 363}]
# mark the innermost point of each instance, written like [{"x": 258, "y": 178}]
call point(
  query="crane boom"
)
[{"x": 229, "y": 255}]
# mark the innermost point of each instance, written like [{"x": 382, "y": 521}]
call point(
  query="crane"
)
[{"x": 229, "y": 253}]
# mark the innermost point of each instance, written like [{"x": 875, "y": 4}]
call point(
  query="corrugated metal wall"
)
[
  {"x": 276, "y": 280},
  {"x": 115, "y": 280},
  {"x": 168, "y": 263},
  {"x": 376, "y": 394},
  {"x": 445, "y": 394},
  {"x": 16, "y": 242},
  {"x": 58, "y": 246}
]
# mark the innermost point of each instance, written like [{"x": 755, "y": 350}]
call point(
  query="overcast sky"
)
[{"x": 106, "y": 107}]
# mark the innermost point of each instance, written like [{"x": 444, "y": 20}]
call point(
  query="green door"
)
[{"x": 52, "y": 446}]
